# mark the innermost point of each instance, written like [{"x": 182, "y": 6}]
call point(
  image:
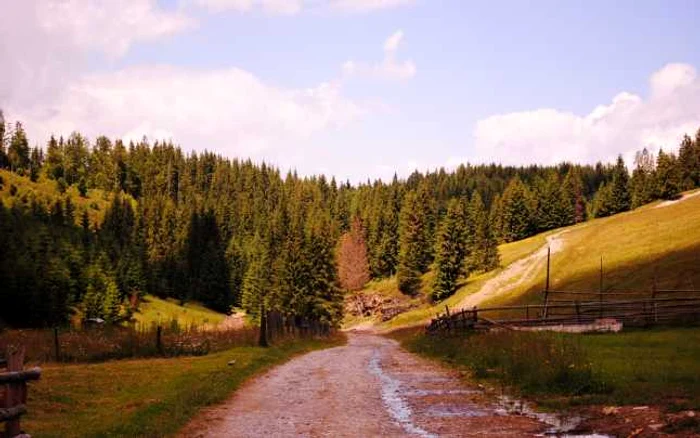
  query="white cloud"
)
[
  {"x": 291, "y": 7},
  {"x": 388, "y": 68},
  {"x": 229, "y": 110},
  {"x": 625, "y": 125},
  {"x": 283, "y": 7},
  {"x": 366, "y": 5},
  {"x": 44, "y": 43}
]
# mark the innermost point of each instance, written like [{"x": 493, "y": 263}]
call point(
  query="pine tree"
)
[
  {"x": 668, "y": 176},
  {"x": 3, "y": 151},
  {"x": 689, "y": 161},
  {"x": 604, "y": 201},
  {"x": 483, "y": 250},
  {"x": 35, "y": 162},
  {"x": 257, "y": 281},
  {"x": 18, "y": 151},
  {"x": 412, "y": 243},
  {"x": 643, "y": 182},
  {"x": 551, "y": 205},
  {"x": 517, "y": 211},
  {"x": 574, "y": 201},
  {"x": 620, "y": 187},
  {"x": 450, "y": 251}
]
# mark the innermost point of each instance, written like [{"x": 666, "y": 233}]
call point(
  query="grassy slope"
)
[
  {"x": 154, "y": 310},
  {"x": 509, "y": 252},
  {"x": 659, "y": 366},
  {"x": 95, "y": 202},
  {"x": 638, "y": 248},
  {"x": 153, "y": 397}
]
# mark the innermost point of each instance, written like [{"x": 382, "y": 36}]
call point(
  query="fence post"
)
[
  {"x": 14, "y": 394},
  {"x": 56, "y": 344},
  {"x": 159, "y": 344},
  {"x": 578, "y": 313},
  {"x": 475, "y": 314},
  {"x": 546, "y": 285},
  {"x": 600, "y": 289},
  {"x": 262, "y": 341}
]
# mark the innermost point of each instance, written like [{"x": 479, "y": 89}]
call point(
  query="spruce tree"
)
[
  {"x": 668, "y": 176},
  {"x": 412, "y": 243},
  {"x": 689, "y": 162},
  {"x": 450, "y": 251},
  {"x": 517, "y": 211},
  {"x": 643, "y": 182},
  {"x": 483, "y": 252},
  {"x": 18, "y": 150},
  {"x": 620, "y": 187}
]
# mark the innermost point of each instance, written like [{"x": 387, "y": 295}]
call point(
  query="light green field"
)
[
  {"x": 154, "y": 310},
  {"x": 647, "y": 246},
  {"x": 145, "y": 398}
]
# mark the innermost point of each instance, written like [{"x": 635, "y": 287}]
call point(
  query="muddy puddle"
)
[{"x": 429, "y": 404}]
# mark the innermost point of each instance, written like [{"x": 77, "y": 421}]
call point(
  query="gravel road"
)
[{"x": 369, "y": 387}]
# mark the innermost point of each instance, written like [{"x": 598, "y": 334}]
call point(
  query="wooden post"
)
[
  {"x": 527, "y": 312},
  {"x": 475, "y": 314},
  {"x": 262, "y": 341},
  {"x": 600, "y": 289},
  {"x": 653, "y": 299},
  {"x": 15, "y": 394},
  {"x": 546, "y": 285},
  {"x": 578, "y": 313},
  {"x": 159, "y": 344},
  {"x": 56, "y": 344}
]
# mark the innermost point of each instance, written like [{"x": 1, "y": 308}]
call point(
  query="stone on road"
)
[{"x": 367, "y": 388}]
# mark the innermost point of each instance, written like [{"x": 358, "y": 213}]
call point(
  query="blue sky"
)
[{"x": 507, "y": 81}]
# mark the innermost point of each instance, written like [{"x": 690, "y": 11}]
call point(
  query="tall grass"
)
[
  {"x": 535, "y": 363},
  {"x": 114, "y": 342}
]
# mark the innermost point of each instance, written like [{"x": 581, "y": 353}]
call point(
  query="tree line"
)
[{"x": 229, "y": 232}]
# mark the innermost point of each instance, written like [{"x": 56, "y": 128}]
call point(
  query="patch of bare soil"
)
[
  {"x": 516, "y": 274},
  {"x": 640, "y": 422},
  {"x": 370, "y": 387}
]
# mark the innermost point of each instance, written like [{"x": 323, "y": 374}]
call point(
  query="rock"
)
[
  {"x": 640, "y": 408},
  {"x": 610, "y": 410},
  {"x": 656, "y": 426},
  {"x": 690, "y": 414},
  {"x": 232, "y": 362}
]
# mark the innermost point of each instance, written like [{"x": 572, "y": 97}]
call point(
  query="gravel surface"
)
[{"x": 370, "y": 387}]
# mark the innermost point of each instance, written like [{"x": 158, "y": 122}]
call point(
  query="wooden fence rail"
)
[
  {"x": 631, "y": 312},
  {"x": 14, "y": 397}
]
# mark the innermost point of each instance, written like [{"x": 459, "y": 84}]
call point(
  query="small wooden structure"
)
[{"x": 13, "y": 387}]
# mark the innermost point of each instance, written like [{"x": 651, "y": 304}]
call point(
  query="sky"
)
[{"x": 359, "y": 89}]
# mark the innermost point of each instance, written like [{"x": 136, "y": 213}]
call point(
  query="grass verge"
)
[
  {"x": 659, "y": 366},
  {"x": 145, "y": 398}
]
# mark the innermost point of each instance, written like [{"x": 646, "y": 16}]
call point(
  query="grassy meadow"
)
[
  {"x": 153, "y": 310},
  {"x": 659, "y": 366},
  {"x": 145, "y": 398}
]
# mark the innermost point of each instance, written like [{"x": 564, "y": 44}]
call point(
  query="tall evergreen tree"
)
[
  {"x": 643, "y": 182},
  {"x": 668, "y": 176},
  {"x": 483, "y": 250},
  {"x": 517, "y": 211},
  {"x": 18, "y": 150},
  {"x": 413, "y": 239},
  {"x": 450, "y": 251}
]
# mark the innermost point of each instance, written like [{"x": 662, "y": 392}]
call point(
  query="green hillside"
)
[
  {"x": 154, "y": 310},
  {"x": 20, "y": 189},
  {"x": 659, "y": 242}
]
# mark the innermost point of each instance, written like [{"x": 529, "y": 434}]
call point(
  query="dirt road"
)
[
  {"x": 370, "y": 387},
  {"x": 516, "y": 274}
]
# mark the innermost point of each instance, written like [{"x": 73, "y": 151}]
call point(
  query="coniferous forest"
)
[{"x": 229, "y": 232}]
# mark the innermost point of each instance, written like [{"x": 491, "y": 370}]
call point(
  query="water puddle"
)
[
  {"x": 395, "y": 404},
  {"x": 560, "y": 425}
]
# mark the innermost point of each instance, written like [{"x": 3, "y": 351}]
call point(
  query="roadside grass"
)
[
  {"x": 146, "y": 398},
  {"x": 658, "y": 366},
  {"x": 157, "y": 311}
]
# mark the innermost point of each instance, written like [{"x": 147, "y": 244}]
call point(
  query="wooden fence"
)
[
  {"x": 568, "y": 308},
  {"x": 14, "y": 391}
]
